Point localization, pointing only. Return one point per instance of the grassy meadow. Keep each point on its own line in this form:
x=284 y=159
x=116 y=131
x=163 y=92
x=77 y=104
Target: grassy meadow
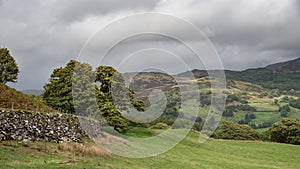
x=187 y=154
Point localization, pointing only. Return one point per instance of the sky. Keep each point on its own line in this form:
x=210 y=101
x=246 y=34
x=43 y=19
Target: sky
x=43 y=35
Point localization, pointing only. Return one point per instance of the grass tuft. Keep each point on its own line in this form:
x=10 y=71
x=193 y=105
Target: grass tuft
x=81 y=149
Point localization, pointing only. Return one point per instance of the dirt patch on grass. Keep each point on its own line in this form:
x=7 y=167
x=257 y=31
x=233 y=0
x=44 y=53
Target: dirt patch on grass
x=109 y=139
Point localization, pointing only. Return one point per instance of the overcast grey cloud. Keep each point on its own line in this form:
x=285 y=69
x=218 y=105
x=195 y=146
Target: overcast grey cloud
x=43 y=35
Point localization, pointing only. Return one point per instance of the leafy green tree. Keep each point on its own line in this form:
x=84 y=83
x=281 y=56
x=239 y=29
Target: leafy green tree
x=84 y=98
x=284 y=110
x=231 y=98
x=113 y=117
x=77 y=88
x=252 y=116
x=275 y=101
x=286 y=131
x=58 y=92
x=113 y=97
x=9 y=69
x=247 y=118
x=295 y=103
x=230 y=130
x=229 y=110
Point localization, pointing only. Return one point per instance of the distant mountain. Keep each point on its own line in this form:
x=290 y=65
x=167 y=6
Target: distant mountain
x=283 y=76
x=143 y=82
x=32 y=91
x=288 y=66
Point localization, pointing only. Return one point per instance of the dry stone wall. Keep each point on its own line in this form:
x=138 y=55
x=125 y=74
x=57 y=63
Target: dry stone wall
x=36 y=126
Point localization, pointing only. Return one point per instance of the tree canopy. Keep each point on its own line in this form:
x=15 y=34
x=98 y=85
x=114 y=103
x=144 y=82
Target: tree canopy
x=89 y=88
x=9 y=69
x=286 y=131
x=230 y=130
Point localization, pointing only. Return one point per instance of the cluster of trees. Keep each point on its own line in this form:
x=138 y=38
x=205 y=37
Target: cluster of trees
x=284 y=131
x=295 y=103
x=77 y=88
x=247 y=118
x=233 y=131
x=268 y=79
x=229 y=110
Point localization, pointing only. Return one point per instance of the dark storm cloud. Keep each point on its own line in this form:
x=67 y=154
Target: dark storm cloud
x=43 y=35
x=246 y=33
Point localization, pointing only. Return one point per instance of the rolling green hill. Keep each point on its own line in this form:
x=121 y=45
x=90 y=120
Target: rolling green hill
x=288 y=66
x=283 y=75
x=244 y=98
x=11 y=98
x=187 y=154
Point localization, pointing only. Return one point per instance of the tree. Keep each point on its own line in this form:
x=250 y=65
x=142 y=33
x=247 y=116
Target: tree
x=247 y=118
x=286 y=131
x=230 y=130
x=111 y=91
x=231 y=98
x=252 y=116
x=284 y=110
x=295 y=103
x=275 y=101
x=113 y=117
x=8 y=68
x=58 y=92
x=76 y=88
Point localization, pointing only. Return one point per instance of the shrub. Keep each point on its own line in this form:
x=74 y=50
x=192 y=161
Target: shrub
x=284 y=110
x=252 y=116
x=286 y=131
x=229 y=111
x=231 y=98
x=230 y=130
x=244 y=101
x=197 y=126
x=265 y=136
x=285 y=99
x=295 y=103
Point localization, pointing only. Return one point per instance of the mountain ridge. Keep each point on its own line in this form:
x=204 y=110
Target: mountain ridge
x=282 y=75
x=287 y=66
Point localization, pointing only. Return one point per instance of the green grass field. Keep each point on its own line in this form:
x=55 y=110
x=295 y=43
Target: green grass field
x=187 y=154
x=267 y=107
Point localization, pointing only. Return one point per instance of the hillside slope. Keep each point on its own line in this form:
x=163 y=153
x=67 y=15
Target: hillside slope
x=11 y=98
x=187 y=154
x=283 y=75
x=288 y=66
x=245 y=99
